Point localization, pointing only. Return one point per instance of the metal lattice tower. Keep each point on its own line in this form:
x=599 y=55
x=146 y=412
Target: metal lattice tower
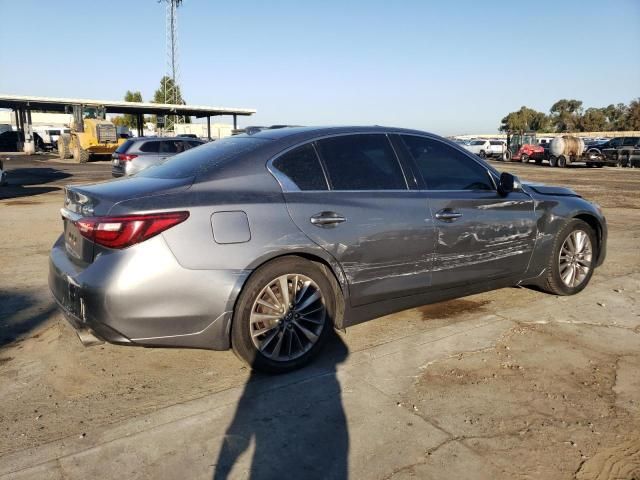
x=171 y=92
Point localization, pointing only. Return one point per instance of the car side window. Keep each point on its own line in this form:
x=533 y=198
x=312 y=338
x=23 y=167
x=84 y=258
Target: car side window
x=445 y=168
x=171 y=146
x=150 y=147
x=361 y=162
x=302 y=166
x=616 y=142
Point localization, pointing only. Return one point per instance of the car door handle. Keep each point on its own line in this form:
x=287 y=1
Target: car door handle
x=448 y=215
x=327 y=219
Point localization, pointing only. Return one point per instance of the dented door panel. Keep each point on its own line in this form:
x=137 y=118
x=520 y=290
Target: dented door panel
x=492 y=237
x=384 y=244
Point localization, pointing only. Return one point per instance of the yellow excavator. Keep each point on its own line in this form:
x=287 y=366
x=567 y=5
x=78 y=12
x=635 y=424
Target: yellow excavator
x=91 y=134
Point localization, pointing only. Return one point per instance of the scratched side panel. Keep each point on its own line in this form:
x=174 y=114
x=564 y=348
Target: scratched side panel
x=494 y=238
x=385 y=245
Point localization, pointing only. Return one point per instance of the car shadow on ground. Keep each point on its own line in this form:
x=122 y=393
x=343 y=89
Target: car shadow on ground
x=25 y=182
x=20 y=313
x=298 y=430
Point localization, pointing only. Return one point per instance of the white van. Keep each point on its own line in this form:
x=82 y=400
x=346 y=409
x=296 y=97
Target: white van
x=50 y=135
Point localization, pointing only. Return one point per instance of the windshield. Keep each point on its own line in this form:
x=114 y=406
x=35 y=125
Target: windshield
x=201 y=159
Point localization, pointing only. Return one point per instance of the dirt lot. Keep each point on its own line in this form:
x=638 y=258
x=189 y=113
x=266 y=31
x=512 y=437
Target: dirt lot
x=556 y=393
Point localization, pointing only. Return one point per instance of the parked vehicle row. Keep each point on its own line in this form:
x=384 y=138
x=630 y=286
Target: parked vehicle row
x=264 y=243
x=136 y=154
x=619 y=151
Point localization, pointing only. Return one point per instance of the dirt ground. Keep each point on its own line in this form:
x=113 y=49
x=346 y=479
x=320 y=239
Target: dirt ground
x=549 y=399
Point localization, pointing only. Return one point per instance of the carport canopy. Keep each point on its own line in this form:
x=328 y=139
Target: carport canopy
x=20 y=103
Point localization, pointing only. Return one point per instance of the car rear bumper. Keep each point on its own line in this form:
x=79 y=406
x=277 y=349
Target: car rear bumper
x=142 y=296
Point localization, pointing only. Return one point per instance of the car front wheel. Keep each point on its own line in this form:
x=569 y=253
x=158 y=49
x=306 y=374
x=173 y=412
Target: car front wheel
x=572 y=259
x=284 y=315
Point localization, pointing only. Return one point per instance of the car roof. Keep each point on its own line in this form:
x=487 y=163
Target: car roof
x=303 y=133
x=144 y=139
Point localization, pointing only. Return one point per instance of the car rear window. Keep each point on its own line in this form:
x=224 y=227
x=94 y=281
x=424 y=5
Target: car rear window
x=361 y=162
x=302 y=167
x=124 y=147
x=197 y=161
x=495 y=143
x=150 y=147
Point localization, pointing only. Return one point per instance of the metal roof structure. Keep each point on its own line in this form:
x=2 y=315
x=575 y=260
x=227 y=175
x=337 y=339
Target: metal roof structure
x=50 y=104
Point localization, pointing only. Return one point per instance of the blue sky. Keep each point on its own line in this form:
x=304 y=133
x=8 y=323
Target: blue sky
x=447 y=67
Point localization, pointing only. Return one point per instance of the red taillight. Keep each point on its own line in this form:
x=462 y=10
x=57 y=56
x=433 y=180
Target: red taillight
x=125 y=158
x=124 y=231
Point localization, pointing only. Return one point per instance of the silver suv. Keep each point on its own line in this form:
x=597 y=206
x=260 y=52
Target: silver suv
x=136 y=154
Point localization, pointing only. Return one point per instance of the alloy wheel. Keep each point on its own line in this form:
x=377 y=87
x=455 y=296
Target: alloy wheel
x=287 y=317
x=575 y=258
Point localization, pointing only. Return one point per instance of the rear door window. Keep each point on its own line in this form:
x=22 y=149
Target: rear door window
x=302 y=167
x=444 y=167
x=150 y=147
x=171 y=146
x=361 y=162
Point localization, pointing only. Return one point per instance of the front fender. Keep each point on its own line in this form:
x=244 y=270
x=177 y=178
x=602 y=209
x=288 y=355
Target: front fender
x=556 y=211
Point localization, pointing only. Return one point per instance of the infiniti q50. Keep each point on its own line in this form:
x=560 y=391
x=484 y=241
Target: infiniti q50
x=264 y=243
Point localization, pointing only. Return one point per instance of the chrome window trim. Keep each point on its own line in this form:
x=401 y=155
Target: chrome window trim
x=288 y=186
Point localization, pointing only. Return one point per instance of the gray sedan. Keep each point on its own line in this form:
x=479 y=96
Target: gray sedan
x=265 y=242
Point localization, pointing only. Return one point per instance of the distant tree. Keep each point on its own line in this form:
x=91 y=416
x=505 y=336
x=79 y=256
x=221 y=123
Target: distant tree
x=525 y=119
x=593 y=120
x=129 y=120
x=565 y=115
x=633 y=115
x=166 y=83
x=617 y=116
x=119 y=121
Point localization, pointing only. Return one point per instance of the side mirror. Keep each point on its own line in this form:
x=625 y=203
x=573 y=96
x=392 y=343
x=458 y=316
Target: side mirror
x=506 y=184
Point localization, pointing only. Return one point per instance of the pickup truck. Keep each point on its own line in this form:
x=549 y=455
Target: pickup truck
x=479 y=147
x=620 y=151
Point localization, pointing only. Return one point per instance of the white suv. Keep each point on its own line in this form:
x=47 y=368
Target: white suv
x=479 y=147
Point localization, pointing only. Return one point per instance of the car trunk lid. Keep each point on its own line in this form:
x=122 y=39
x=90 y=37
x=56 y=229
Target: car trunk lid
x=97 y=200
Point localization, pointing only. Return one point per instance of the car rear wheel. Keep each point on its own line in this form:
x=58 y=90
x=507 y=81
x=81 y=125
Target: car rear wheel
x=572 y=259
x=524 y=158
x=553 y=161
x=284 y=315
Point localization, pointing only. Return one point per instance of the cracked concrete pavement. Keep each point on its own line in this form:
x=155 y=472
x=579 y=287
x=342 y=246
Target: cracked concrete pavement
x=504 y=384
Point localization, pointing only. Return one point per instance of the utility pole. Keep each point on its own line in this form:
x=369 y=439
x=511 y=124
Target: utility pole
x=173 y=72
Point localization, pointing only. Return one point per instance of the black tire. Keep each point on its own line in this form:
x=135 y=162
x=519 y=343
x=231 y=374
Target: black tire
x=80 y=155
x=553 y=161
x=562 y=161
x=524 y=158
x=507 y=156
x=482 y=154
x=554 y=283
x=64 y=141
x=241 y=341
